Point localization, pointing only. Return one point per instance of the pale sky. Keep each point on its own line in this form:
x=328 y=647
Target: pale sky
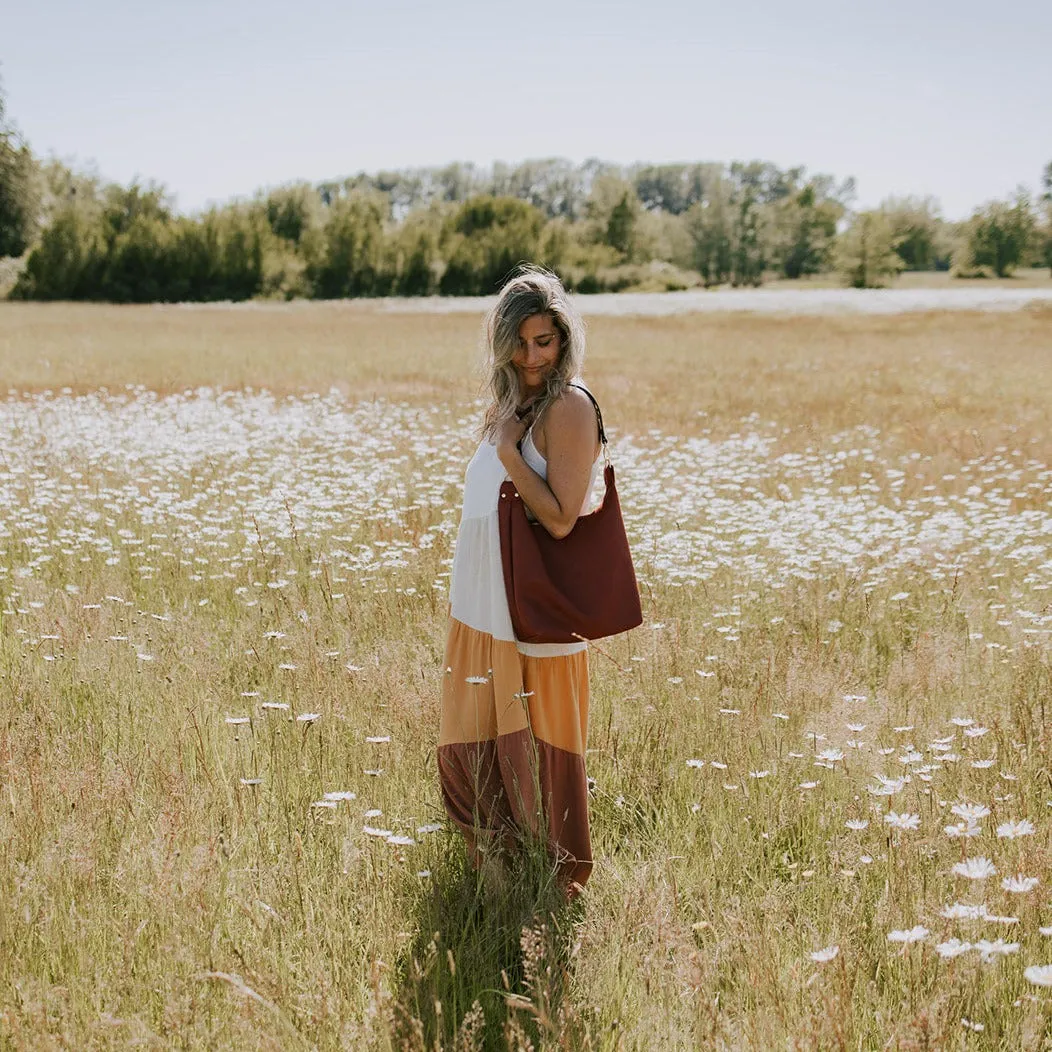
x=218 y=99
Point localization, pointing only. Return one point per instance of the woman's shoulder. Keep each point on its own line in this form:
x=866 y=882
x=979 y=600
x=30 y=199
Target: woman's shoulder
x=575 y=399
x=572 y=413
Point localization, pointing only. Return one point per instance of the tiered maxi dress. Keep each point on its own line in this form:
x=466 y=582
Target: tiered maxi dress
x=511 y=752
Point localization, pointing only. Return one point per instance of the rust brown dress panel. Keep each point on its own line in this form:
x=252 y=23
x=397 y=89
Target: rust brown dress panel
x=512 y=742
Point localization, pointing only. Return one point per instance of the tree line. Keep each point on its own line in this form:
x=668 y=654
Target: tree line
x=459 y=230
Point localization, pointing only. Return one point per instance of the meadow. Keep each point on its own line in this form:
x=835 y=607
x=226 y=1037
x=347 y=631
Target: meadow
x=821 y=800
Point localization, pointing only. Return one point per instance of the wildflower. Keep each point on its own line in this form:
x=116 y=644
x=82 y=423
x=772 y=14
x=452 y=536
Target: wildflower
x=970 y=812
x=976 y=732
x=476 y=681
x=965 y=911
x=373 y=812
x=431 y=827
x=251 y=781
x=952 y=948
x=308 y=717
x=856 y=728
x=1011 y=830
x=280 y=706
x=962 y=721
x=287 y=666
x=759 y=774
x=962 y=829
x=730 y=712
x=903 y=821
x=898 y=597
x=1019 y=885
x=779 y=716
x=969 y=1025
x=830 y=755
x=828 y=953
x=808 y=785
x=340 y=794
x=887 y=787
x=696 y=763
x=975 y=868
x=1038 y=974
x=373 y=831
x=379 y=739
x=998 y=948
x=324 y=803
x=982 y=765
x=401 y=841
x=857 y=824
x=237 y=721
x=917 y=934
x=1045 y=931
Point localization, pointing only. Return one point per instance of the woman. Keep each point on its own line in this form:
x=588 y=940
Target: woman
x=515 y=715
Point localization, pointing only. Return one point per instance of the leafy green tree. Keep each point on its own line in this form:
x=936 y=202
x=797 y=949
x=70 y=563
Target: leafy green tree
x=865 y=253
x=414 y=253
x=487 y=238
x=1000 y=234
x=805 y=223
x=350 y=255
x=674 y=188
x=749 y=257
x=613 y=212
x=292 y=211
x=1046 y=200
x=709 y=225
x=67 y=260
x=19 y=193
x=918 y=232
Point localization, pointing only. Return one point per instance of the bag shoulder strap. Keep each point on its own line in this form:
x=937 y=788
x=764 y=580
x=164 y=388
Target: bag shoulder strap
x=598 y=411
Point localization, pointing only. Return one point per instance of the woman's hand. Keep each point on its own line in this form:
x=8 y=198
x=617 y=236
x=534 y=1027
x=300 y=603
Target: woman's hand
x=510 y=435
x=571 y=442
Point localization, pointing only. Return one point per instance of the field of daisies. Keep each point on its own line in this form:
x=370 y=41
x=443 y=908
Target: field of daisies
x=820 y=783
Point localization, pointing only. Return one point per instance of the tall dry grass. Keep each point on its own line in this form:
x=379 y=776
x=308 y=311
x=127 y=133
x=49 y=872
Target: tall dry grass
x=170 y=878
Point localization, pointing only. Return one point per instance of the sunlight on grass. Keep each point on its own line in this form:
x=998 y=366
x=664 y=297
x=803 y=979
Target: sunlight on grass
x=820 y=799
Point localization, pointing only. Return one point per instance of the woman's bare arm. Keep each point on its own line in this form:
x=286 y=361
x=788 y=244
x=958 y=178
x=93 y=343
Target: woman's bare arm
x=570 y=449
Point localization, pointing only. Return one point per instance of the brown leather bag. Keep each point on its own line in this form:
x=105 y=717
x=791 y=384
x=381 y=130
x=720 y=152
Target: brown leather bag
x=580 y=587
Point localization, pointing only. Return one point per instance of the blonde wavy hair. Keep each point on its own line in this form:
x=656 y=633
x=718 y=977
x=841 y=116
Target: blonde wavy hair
x=532 y=290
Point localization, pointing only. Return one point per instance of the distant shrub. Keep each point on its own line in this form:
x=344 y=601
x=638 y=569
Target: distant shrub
x=865 y=253
x=633 y=277
x=998 y=238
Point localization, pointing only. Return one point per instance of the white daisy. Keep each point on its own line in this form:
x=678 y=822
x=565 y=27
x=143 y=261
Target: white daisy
x=1019 y=884
x=1039 y=974
x=1011 y=830
x=975 y=868
x=917 y=934
x=952 y=948
x=825 y=954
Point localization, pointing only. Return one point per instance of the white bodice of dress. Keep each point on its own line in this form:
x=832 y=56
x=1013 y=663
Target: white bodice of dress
x=476 y=593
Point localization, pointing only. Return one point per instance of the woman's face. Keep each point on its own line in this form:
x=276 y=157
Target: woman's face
x=538 y=352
